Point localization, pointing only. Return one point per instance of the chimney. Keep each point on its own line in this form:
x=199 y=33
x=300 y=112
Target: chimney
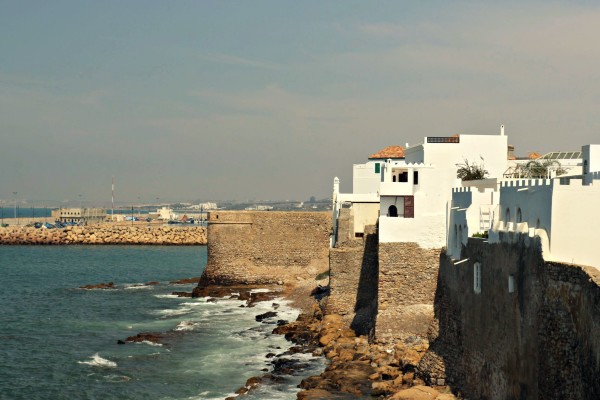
x=501 y=130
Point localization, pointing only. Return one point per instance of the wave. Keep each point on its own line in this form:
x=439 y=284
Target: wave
x=170 y=312
x=186 y=326
x=166 y=296
x=149 y=343
x=97 y=361
x=138 y=286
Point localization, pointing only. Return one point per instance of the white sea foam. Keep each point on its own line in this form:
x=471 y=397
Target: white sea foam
x=173 y=312
x=186 y=326
x=149 y=343
x=138 y=286
x=97 y=361
x=166 y=296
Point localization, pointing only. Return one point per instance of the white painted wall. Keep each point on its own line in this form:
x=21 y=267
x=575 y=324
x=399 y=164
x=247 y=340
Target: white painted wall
x=567 y=213
x=471 y=209
x=364 y=177
x=492 y=148
x=575 y=220
x=428 y=231
x=591 y=162
x=364 y=214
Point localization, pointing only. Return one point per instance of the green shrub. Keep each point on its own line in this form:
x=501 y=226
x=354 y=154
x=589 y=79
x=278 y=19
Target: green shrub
x=322 y=275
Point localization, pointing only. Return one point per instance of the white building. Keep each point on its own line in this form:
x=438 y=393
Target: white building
x=366 y=181
x=415 y=193
x=79 y=215
x=562 y=212
x=166 y=214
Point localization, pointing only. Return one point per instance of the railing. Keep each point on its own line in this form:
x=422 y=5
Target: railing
x=443 y=139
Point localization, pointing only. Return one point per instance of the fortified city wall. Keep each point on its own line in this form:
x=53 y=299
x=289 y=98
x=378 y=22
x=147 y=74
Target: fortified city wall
x=104 y=234
x=531 y=329
x=259 y=247
x=353 y=277
x=385 y=290
x=407 y=284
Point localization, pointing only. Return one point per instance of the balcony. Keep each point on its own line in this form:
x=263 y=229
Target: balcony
x=396 y=189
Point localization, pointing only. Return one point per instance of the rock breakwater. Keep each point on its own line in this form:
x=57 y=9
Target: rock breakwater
x=104 y=234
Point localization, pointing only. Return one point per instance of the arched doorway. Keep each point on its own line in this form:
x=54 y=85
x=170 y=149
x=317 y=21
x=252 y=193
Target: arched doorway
x=392 y=211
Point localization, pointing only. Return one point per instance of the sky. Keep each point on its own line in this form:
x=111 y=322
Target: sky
x=251 y=100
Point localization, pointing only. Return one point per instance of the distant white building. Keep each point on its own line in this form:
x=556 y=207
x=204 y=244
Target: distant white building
x=204 y=206
x=166 y=214
x=79 y=215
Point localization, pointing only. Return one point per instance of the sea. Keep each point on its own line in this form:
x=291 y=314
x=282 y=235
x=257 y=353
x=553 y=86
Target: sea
x=58 y=341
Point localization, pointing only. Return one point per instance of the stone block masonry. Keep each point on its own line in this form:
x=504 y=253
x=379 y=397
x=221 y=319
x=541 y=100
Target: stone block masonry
x=513 y=326
x=407 y=283
x=265 y=247
x=104 y=234
x=353 y=280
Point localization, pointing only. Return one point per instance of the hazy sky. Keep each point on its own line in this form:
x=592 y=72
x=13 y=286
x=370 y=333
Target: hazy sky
x=272 y=99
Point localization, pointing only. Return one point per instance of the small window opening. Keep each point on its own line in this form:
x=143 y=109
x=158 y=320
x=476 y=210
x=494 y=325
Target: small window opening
x=537 y=224
x=377 y=168
x=511 y=284
x=416 y=177
x=507 y=215
x=394 y=178
x=519 y=215
x=392 y=211
x=403 y=177
x=477 y=277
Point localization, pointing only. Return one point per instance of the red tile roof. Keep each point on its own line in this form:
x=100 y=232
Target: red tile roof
x=533 y=155
x=389 y=152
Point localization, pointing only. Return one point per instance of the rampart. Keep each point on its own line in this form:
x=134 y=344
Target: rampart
x=512 y=326
x=385 y=290
x=353 y=277
x=104 y=234
x=259 y=247
x=407 y=281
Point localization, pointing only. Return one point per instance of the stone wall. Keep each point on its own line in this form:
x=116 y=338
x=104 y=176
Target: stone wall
x=104 y=234
x=259 y=247
x=407 y=283
x=542 y=340
x=345 y=225
x=353 y=276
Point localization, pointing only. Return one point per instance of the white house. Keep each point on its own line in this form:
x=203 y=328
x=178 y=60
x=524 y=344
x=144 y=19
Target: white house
x=364 y=199
x=415 y=192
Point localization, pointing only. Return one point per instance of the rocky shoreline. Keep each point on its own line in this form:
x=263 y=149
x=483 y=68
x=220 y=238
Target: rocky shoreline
x=105 y=234
x=357 y=368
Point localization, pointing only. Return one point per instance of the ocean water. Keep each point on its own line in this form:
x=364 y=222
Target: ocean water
x=58 y=341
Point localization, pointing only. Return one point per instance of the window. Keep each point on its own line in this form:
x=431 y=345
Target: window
x=416 y=177
x=477 y=277
x=392 y=211
x=403 y=177
x=377 y=168
x=511 y=284
x=519 y=215
x=507 y=216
